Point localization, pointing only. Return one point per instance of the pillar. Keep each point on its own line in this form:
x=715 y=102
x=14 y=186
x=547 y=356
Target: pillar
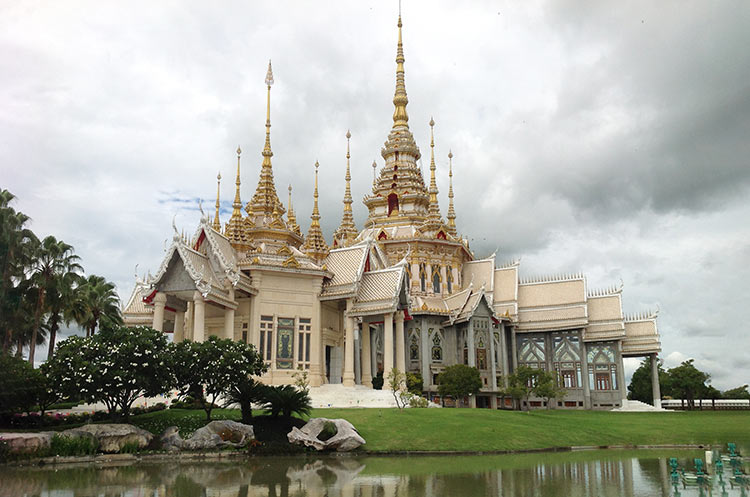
x=514 y=349
x=229 y=323
x=425 y=356
x=504 y=354
x=357 y=354
x=443 y=279
x=493 y=366
x=585 y=375
x=400 y=348
x=387 y=346
x=428 y=270
x=414 y=275
x=655 y=390
x=179 y=326
x=160 y=300
x=199 y=324
x=366 y=355
x=621 y=376
x=317 y=360
x=471 y=352
x=348 y=379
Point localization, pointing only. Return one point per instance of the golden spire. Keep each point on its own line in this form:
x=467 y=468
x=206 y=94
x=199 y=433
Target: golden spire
x=347 y=230
x=291 y=217
x=233 y=229
x=217 y=222
x=434 y=208
x=265 y=200
x=451 y=211
x=315 y=244
x=400 y=117
x=374 y=173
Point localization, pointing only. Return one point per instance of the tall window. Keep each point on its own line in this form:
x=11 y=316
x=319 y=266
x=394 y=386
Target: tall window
x=436 y=281
x=602 y=367
x=266 y=337
x=437 y=345
x=285 y=345
x=392 y=204
x=303 y=343
x=422 y=277
x=531 y=352
x=414 y=347
x=408 y=275
x=449 y=279
x=481 y=344
x=567 y=359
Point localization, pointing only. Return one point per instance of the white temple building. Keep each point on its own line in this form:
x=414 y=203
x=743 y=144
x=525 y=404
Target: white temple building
x=406 y=291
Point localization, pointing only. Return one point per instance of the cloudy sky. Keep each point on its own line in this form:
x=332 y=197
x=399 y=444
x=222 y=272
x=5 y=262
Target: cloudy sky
x=603 y=137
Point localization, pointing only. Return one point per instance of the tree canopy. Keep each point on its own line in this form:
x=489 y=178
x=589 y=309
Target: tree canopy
x=459 y=381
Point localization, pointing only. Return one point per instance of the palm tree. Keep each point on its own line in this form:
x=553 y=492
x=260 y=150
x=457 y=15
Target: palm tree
x=53 y=259
x=286 y=400
x=15 y=256
x=96 y=303
x=60 y=300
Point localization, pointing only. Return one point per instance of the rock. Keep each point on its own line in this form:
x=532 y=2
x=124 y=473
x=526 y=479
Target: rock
x=216 y=434
x=347 y=438
x=112 y=437
x=27 y=442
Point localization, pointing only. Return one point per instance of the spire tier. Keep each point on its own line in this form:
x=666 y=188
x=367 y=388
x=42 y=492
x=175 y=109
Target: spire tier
x=347 y=230
x=315 y=244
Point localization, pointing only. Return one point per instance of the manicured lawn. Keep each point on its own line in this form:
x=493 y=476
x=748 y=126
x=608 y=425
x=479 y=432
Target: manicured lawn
x=487 y=430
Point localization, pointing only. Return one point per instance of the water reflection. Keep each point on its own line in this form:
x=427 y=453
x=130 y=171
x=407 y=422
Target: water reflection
x=613 y=473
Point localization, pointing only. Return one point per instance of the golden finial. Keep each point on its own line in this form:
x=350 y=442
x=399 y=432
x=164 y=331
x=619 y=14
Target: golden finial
x=434 y=208
x=347 y=231
x=451 y=211
x=316 y=213
x=267 y=147
x=217 y=222
x=400 y=100
x=233 y=228
x=315 y=245
x=374 y=167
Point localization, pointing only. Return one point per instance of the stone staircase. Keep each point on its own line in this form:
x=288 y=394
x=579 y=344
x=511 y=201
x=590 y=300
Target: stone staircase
x=357 y=396
x=638 y=406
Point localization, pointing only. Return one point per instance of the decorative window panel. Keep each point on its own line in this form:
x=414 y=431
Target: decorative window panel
x=602 y=367
x=266 y=337
x=437 y=345
x=303 y=343
x=285 y=343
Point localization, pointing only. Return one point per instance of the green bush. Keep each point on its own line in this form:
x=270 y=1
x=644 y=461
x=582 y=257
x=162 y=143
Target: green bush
x=418 y=401
x=62 y=445
x=286 y=400
x=414 y=383
x=329 y=431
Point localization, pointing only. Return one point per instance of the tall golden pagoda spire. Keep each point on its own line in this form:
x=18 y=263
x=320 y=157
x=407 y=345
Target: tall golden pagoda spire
x=234 y=229
x=347 y=230
x=400 y=100
x=291 y=217
x=315 y=244
x=434 y=209
x=217 y=221
x=451 y=211
x=265 y=200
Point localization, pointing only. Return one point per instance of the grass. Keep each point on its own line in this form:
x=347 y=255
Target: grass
x=487 y=430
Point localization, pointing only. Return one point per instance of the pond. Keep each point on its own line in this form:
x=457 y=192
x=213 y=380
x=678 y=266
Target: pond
x=584 y=473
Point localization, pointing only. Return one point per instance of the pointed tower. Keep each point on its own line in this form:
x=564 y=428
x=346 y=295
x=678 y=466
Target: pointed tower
x=315 y=244
x=347 y=230
x=399 y=195
x=291 y=217
x=217 y=221
x=434 y=210
x=265 y=226
x=451 y=211
x=265 y=199
x=234 y=229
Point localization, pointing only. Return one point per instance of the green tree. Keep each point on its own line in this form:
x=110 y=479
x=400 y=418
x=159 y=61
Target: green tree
x=688 y=382
x=245 y=394
x=17 y=384
x=52 y=260
x=211 y=369
x=521 y=384
x=414 y=383
x=96 y=303
x=117 y=366
x=459 y=381
x=640 y=387
x=547 y=387
x=60 y=302
x=737 y=393
x=287 y=400
x=712 y=394
x=396 y=381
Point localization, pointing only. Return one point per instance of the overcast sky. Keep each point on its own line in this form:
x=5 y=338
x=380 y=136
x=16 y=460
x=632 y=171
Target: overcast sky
x=610 y=138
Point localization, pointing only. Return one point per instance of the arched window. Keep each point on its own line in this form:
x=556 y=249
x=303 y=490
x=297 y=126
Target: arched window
x=449 y=279
x=437 y=346
x=436 y=282
x=422 y=278
x=392 y=204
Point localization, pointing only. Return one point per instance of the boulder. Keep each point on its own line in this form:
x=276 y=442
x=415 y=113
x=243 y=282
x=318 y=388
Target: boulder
x=346 y=438
x=27 y=442
x=215 y=435
x=112 y=437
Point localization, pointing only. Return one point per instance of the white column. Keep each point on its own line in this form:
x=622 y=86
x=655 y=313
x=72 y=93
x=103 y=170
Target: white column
x=400 y=352
x=443 y=280
x=621 y=387
x=504 y=355
x=348 y=378
x=229 y=323
x=414 y=275
x=317 y=358
x=655 y=389
x=472 y=353
x=366 y=355
x=199 y=325
x=160 y=300
x=456 y=283
x=428 y=270
x=179 y=323
x=493 y=368
x=425 y=355
x=387 y=346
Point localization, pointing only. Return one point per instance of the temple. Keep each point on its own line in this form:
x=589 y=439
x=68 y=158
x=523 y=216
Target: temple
x=406 y=291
